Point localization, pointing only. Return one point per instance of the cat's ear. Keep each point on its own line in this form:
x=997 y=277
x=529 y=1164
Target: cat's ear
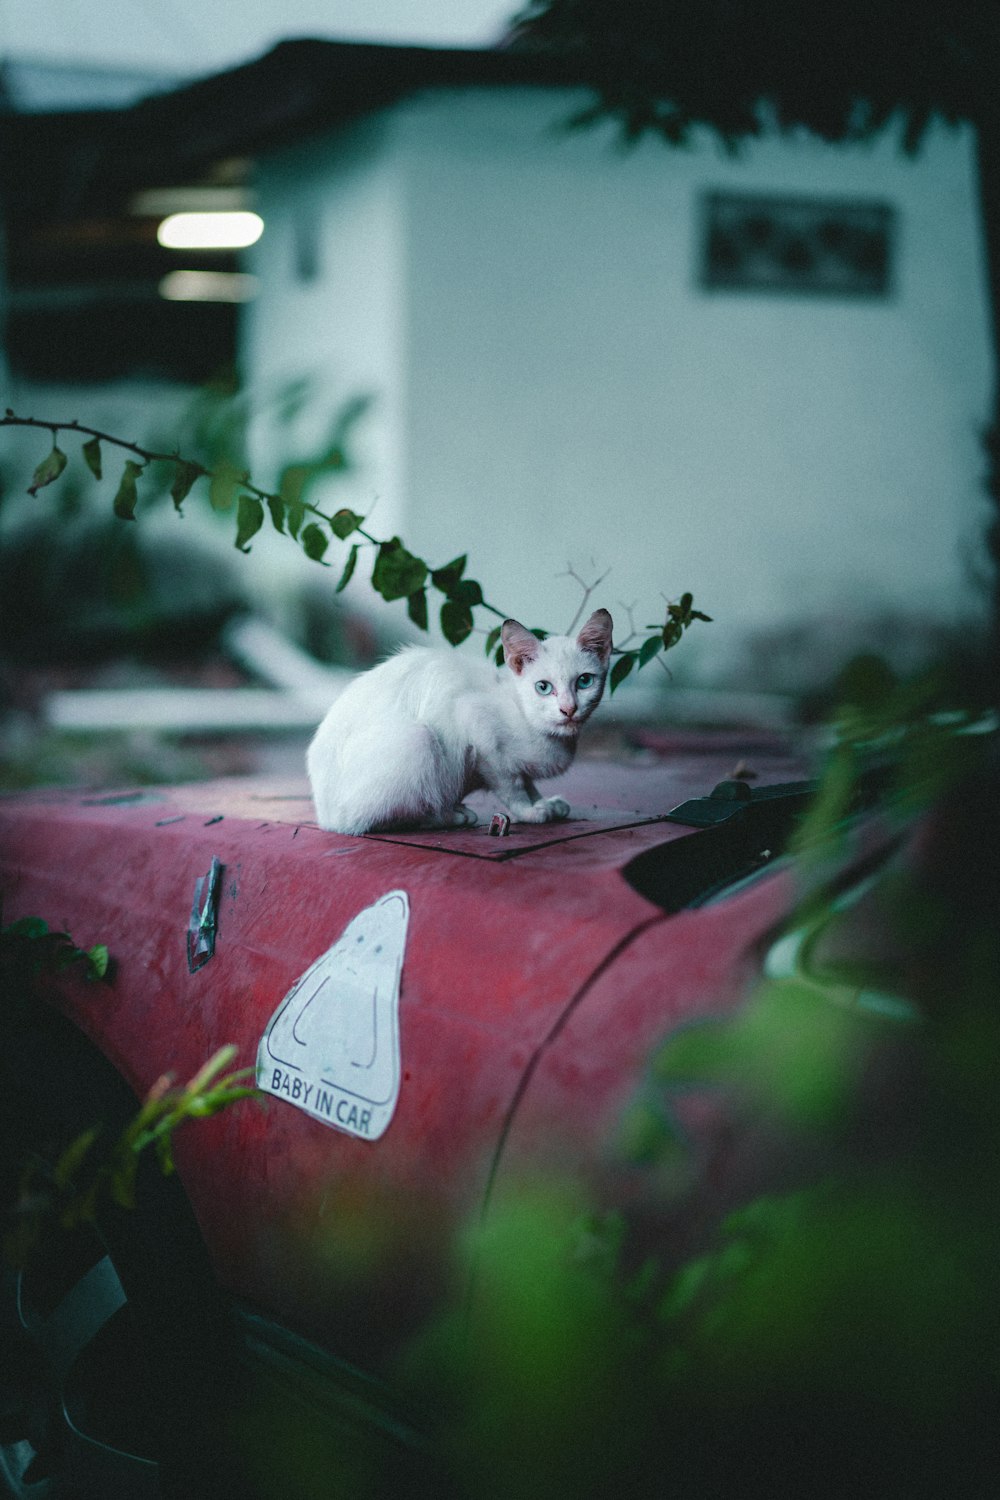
x=596 y=636
x=519 y=645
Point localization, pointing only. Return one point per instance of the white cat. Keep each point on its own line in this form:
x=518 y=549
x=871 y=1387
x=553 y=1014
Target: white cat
x=405 y=742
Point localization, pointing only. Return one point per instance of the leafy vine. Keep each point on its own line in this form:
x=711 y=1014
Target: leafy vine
x=397 y=573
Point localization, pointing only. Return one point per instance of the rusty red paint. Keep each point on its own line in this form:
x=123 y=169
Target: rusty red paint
x=536 y=982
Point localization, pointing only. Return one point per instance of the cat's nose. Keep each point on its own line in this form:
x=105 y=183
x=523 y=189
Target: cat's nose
x=567 y=711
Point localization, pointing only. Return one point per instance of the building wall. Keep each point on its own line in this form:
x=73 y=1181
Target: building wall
x=557 y=390
x=577 y=398
x=328 y=316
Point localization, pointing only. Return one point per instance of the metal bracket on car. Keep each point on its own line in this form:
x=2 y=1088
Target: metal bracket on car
x=730 y=798
x=204 y=918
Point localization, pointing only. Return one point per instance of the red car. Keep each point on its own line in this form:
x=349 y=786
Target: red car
x=430 y=1015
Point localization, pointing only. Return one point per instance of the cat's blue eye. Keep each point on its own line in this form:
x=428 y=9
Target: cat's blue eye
x=585 y=680
x=543 y=687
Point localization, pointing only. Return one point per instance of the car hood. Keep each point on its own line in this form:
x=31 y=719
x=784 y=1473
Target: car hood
x=505 y=938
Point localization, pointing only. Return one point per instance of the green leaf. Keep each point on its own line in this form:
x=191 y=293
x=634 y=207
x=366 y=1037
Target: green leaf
x=464 y=592
x=295 y=514
x=48 y=470
x=292 y=397
x=249 y=520
x=416 y=608
x=445 y=578
x=92 y=456
x=72 y=1158
x=314 y=543
x=349 y=566
x=344 y=522
x=210 y=1070
x=298 y=477
x=686 y=602
x=397 y=573
x=293 y=481
x=456 y=622
x=276 y=506
x=123 y=1185
x=125 y=499
x=644 y=1132
x=492 y=638
x=27 y=927
x=622 y=668
x=649 y=648
x=185 y=475
x=467 y=591
x=223 y=485
x=98 y=959
x=672 y=632
x=350 y=413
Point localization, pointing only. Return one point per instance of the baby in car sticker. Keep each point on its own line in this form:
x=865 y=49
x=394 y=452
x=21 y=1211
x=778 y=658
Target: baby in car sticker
x=332 y=1046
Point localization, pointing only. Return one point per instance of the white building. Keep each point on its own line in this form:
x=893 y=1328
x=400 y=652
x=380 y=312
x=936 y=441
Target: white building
x=556 y=384
x=764 y=379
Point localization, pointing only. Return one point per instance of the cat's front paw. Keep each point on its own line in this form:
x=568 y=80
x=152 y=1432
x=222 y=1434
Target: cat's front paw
x=463 y=817
x=547 y=810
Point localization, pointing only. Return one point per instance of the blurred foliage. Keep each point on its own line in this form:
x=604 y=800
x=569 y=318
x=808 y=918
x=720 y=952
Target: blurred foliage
x=333 y=632
x=71 y=1190
x=94 y=1170
x=836 y=1331
x=29 y=948
x=925 y=733
x=665 y=67
x=85 y=590
x=30 y=758
x=830 y=1341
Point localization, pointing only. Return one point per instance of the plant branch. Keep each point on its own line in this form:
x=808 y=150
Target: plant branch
x=146 y=454
x=588 y=589
x=397 y=573
x=629 y=610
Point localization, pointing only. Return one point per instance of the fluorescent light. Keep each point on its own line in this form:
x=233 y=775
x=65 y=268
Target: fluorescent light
x=209 y=286
x=156 y=203
x=210 y=231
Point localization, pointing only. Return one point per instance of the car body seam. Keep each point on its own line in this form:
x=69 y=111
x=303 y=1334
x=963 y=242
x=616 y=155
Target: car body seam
x=531 y=1066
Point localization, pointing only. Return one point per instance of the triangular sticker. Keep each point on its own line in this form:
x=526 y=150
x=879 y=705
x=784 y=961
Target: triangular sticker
x=332 y=1046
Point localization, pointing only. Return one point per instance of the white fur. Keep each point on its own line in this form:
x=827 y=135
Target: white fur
x=407 y=741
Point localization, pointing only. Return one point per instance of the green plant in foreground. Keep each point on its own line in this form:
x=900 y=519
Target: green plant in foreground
x=93 y=1171
x=827 y=1329
x=29 y=948
x=397 y=573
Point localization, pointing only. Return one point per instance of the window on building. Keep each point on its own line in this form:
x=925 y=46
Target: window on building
x=757 y=243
